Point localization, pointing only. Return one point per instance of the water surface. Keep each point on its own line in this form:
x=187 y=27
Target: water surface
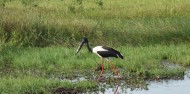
x=180 y=86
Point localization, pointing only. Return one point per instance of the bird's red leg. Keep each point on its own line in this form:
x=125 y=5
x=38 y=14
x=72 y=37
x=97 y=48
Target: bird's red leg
x=101 y=72
x=114 y=69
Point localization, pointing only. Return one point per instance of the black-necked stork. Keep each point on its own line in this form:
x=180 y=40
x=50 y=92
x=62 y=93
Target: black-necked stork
x=102 y=52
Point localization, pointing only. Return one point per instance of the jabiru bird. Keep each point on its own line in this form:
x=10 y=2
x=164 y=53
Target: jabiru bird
x=102 y=52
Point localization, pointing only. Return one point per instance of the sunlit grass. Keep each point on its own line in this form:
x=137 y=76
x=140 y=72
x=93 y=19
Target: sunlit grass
x=138 y=22
x=45 y=65
x=64 y=59
x=36 y=85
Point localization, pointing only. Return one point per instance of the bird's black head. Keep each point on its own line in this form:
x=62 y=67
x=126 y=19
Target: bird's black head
x=84 y=40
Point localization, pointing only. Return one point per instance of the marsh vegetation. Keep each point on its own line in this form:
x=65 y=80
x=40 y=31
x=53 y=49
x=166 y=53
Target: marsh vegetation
x=38 y=40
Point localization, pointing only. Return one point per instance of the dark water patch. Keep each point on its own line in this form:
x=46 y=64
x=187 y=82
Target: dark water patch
x=63 y=90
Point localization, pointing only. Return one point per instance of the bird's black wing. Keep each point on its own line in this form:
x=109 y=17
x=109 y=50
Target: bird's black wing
x=117 y=53
x=106 y=54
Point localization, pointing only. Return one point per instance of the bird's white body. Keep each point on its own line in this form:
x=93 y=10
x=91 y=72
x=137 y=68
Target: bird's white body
x=98 y=48
x=101 y=51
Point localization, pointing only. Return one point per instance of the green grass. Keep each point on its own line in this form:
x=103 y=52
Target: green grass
x=60 y=59
x=27 y=85
x=45 y=65
x=39 y=85
x=38 y=40
x=138 y=22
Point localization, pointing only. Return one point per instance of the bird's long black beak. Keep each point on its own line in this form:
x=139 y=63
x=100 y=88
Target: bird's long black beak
x=80 y=46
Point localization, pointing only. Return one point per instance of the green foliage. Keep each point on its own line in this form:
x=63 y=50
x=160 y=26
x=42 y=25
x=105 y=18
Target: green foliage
x=3 y=2
x=27 y=2
x=54 y=59
x=76 y=6
x=38 y=85
x=166 y=73
x=123 y=23
x=100 y=3
x=37 y=70
x=26 y=85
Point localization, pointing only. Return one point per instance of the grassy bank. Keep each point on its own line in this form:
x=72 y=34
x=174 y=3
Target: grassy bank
x=40 y=85
x=63 y=59
x=64 y=22
x=54 y=63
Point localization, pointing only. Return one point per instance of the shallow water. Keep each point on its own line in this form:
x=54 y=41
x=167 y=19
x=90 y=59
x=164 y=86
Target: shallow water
x=167 y=86
x=155 y=87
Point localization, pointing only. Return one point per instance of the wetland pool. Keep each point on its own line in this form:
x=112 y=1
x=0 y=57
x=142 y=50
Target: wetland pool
x=166 y=86
x=169 y=86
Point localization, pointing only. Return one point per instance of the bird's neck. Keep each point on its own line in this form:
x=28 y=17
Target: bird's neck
x=90 y=49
